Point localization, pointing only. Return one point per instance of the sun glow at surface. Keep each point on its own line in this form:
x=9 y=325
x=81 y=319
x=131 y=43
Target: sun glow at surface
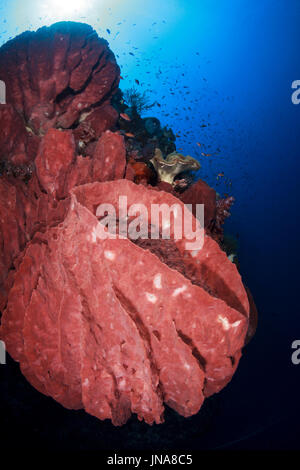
x=66 y=7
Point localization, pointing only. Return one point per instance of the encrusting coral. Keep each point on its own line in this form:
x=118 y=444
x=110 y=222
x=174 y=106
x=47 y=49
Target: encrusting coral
x=174 y=163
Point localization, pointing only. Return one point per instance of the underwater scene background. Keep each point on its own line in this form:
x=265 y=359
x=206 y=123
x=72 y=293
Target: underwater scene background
x=219 y=74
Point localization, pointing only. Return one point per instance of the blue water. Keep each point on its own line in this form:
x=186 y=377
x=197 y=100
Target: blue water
x=228 y=65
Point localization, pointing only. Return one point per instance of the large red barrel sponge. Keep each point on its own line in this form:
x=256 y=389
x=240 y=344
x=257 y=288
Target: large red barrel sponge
x=62 y=76
x=129 y=328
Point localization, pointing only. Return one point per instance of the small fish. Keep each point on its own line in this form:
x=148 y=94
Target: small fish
x=125 y=116
x=131 y=53
x=220 y=175
x=136 y=81
x=198 y=143
x=108 y=30
x=206 y=155
x=129 y=134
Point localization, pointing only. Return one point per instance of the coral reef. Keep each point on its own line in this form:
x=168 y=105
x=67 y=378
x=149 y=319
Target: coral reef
x=140 y=172
x=136 y=101
x=112 y=325
x=200 y=193
x=171 y=166
x=152 y=125
x=142 y=135
x=223 y=206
